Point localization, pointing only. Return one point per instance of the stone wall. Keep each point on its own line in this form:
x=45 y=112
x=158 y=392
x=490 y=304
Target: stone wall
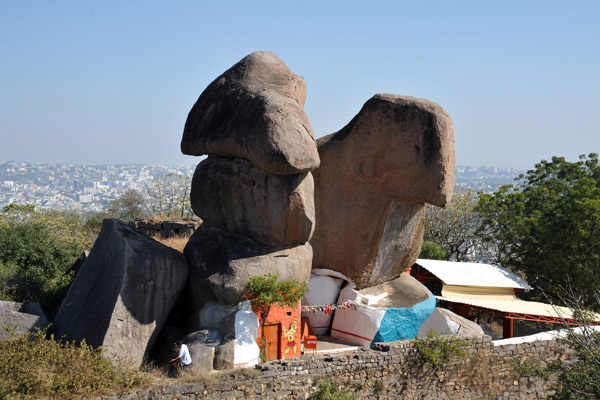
x=166 y=228
x=390 y=371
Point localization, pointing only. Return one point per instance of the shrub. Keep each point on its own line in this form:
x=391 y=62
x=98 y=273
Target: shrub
x=327 y=391
x=33 y=366
x=436 y=350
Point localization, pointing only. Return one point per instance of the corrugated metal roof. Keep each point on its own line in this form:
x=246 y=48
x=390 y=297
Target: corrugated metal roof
x=473 y=274
x=515 y=306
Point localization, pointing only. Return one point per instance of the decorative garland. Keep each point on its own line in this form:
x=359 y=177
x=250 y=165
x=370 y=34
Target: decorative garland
x=328 y=308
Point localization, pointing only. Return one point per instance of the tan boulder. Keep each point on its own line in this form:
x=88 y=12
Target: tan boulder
x=222 y=262
x=375 y=175
x=255 y=111
x=233 y=195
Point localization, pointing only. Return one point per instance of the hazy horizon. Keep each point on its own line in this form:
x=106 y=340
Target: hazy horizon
x=112 y=82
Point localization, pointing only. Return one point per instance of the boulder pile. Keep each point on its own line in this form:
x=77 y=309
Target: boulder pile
x=264 y=212
x=254 y=192
x=255 y=195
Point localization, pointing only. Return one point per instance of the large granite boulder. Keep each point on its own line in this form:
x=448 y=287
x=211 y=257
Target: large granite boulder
x=233 y=195
x=222 y=262
x=20 y=318
x=375 y=175
x=123 y=293
x=255 y=111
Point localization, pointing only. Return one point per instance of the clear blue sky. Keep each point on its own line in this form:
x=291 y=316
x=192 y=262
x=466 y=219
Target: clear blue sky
x=112 y=81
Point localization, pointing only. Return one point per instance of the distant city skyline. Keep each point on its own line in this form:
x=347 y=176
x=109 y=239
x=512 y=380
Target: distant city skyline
x=91 y=188
x=112 y=82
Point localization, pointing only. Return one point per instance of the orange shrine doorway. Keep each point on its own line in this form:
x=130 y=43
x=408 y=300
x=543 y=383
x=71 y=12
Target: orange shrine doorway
x=272 y=339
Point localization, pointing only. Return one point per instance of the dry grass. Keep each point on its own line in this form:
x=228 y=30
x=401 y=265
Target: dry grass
x=176 y=242
x=33 y=367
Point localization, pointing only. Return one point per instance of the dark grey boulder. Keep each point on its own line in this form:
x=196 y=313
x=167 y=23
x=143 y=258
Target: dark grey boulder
x=123 y=293
x=202 y=346
x=19 y=318
x=255 y=111
x=233 y=195
x=225 y=355
x=222 y=262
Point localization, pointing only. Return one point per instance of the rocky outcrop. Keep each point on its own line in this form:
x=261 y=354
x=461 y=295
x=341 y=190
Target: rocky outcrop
x=375 y=176
x=254 y=111
x=20 y=318
x=233 y=195
x=222 y=262
x=123 y=293
x=254 y=192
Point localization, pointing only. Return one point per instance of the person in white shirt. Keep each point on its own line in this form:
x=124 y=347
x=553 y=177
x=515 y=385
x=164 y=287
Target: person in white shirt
x=184 y=357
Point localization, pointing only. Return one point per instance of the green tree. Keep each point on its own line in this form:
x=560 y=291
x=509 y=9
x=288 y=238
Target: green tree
x=547 y=225
x=454 y=228
x=169 y=196
x=130 y=205
x=37 y=250
x=578 y=378
x=264 y=292
x=432 y=251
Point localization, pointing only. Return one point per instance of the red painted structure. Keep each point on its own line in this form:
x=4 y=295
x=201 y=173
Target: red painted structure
x=283 y=331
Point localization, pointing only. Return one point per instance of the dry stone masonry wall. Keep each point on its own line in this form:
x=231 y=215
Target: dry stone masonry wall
x=166 y=228
x=390 y=371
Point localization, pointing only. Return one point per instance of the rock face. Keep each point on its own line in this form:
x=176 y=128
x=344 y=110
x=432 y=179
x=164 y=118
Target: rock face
x=233 y=195
x=255 y=111
x=445 y=322
x=123 y=293
x=255 y=192
x=202 y=345
x=20 y=318
x=222 y=262
x=375 y=176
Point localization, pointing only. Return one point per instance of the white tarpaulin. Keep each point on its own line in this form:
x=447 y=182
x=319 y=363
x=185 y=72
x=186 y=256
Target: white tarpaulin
x=390 y=311
x=323 y=288
x=445 y=322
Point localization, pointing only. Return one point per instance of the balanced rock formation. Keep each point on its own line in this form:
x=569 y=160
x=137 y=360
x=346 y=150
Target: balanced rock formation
x=222 y=262
x=375 y=176
x=254 y=192
x=233 y=195
x=20 y=318
x=123 y=293
x=255 y=111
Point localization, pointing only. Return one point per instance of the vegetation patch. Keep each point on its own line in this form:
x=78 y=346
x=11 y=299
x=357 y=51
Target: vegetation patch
x=327 y=391
x=436 y=351
x=33 y=366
